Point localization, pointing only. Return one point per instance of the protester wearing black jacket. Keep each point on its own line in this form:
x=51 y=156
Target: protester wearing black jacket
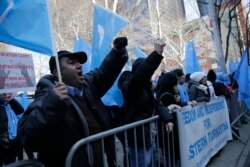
x=9 y=149
x=198 y=88
x=63 y=113
x=139 y=102
x=167 y=92
x=219 y=87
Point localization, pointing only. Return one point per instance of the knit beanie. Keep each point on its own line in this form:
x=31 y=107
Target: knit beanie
x=197 y=76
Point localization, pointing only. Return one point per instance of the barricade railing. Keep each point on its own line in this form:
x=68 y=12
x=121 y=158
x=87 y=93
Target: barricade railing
x=164 y=157
x=164 y=150
x=237 y=110
x=26 y=163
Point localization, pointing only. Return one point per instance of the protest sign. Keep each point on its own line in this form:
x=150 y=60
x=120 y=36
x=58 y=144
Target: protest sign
x=16 y=72
x=203 y=131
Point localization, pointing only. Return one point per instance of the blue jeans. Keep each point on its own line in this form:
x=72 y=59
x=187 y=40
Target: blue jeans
x=141 y=154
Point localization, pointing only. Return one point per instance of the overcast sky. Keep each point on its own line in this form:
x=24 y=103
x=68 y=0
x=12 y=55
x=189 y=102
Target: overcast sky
x=191 y=10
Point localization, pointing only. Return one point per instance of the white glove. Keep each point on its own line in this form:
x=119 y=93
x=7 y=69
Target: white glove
x=169 y=127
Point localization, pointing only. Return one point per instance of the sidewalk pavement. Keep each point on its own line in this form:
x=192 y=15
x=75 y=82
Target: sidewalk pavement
x=235 y=153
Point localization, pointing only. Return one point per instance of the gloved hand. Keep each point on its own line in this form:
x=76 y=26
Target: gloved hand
x=120 y=43
x=172 y=107
x=169 y=127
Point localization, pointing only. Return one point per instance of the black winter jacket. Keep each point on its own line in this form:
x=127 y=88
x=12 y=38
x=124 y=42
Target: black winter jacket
x=197 y=94
x=8 y=154
x=16 y=107
x=221 y=90
x=51 y=126
x=139 y=102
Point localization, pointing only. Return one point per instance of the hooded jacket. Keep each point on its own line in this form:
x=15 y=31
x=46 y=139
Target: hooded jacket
x=219 y=87
x=8 y=151
x=198 y=92
x=51 y=126
x=139 y=102
x=165 y=85
x=166 y=94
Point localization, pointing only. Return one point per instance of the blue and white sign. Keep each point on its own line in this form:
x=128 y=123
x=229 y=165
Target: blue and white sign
x=203 y=131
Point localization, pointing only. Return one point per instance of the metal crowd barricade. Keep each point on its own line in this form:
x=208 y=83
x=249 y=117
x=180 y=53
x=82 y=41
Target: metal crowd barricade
x=237 y=110
x=164 y=150
x=160 y=157
x=25 y=163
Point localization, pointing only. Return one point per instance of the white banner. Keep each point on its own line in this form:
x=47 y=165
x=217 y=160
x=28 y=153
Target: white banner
x=16 y=72
x=203 y=131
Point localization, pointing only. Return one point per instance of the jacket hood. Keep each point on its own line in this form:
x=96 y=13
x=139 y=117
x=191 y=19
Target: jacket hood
x=123 y=78
x=211 y=76
x=166 y=82
x=137 y=63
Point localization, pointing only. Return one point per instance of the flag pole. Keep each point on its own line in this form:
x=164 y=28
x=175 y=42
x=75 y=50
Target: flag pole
x=53 y=44
x=58 y=69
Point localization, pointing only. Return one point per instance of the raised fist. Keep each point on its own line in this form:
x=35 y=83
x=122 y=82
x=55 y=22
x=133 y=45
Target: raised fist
x=159 y=46
x=120 y=43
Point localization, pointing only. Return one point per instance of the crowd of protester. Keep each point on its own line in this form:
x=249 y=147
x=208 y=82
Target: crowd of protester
x=64 y=112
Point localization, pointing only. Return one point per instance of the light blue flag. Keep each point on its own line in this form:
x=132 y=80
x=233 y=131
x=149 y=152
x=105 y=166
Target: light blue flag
x=139 y=53
x=242 y=77
x=191 y=63
x=233 y=66
x=105 y=27
x=108 y=100
x=26 y=24
x=82 y=45
x=12 y=122
x=113 y=96
x=24 y=101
